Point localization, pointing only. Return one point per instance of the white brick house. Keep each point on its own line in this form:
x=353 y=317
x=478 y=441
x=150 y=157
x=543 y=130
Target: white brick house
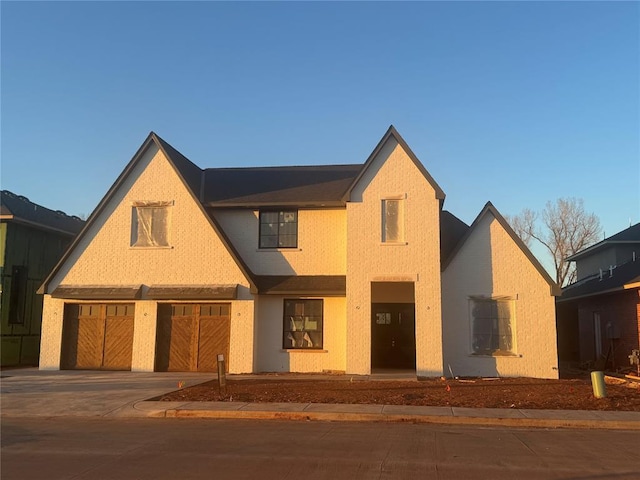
x=343 y=268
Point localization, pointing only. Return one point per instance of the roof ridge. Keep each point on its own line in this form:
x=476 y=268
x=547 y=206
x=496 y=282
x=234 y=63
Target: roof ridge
x=265 y=167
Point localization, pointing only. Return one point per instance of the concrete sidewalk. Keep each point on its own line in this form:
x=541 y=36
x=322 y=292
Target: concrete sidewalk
x=33 y=393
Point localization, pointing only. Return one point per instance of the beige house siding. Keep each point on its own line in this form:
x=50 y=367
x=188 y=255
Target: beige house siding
x=321 y=248
x=392 y=174
x=271 y=357
x=491 y=264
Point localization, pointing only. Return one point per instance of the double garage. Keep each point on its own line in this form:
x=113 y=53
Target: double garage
x=189 y=337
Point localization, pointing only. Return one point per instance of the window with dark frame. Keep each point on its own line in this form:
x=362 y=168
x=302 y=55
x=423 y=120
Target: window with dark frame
x=18 y=295
x=492 y=325
x=279 y=229
x=303 y=323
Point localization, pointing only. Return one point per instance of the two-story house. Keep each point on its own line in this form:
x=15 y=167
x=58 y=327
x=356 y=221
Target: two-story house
x=329 y=268
x=32 y=240
x=599 y=314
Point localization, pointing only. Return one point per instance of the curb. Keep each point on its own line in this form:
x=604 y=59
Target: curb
x=400 y=418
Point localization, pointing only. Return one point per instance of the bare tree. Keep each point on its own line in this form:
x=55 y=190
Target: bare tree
x=566 y=229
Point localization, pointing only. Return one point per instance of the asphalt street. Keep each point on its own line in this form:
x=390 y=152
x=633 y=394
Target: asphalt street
x=85 y=448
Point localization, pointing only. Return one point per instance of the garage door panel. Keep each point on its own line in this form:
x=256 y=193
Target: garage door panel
x=93 y=341
x=182 y=345
x=90 y=343
x=189 y=341
x=118 y=343
x=214 y=340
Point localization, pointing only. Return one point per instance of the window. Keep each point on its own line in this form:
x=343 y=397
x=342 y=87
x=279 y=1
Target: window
x=150 y=224
x=18 y=295
x=302 y=324
x=492 y=326
x=279 y=229
x=392 y=220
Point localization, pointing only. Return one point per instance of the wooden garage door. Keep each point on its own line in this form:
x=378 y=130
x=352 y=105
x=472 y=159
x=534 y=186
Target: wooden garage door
x=97 y=336
x=191 y=336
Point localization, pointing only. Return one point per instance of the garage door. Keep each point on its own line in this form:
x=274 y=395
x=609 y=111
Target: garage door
x=97 y=336
x=191 y=336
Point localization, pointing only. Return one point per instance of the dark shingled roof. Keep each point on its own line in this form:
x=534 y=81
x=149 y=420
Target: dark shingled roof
x=99 y=292
x=20 y=209
x=190 y=172
x=452 y=229
x=628 y=235
x=193 y=292
x=317 y=185
x=622 y=275
x=302 y=284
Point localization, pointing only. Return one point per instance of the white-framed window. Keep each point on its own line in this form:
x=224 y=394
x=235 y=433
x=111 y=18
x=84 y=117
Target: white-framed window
x=492 y=325
x=150 y=224
x=393 y=220
x=302 y=324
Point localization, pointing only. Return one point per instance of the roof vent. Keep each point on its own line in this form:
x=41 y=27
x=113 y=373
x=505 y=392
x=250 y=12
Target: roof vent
x=600 y=274
x=610 y=271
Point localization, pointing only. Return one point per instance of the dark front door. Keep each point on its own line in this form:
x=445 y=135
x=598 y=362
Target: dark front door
x=393 y=337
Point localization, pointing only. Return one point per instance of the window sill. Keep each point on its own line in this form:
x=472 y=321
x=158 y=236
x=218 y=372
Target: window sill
x=497 y=354
x=393 y=244
x=304 y=350
x=283 y=249
x=133 y=247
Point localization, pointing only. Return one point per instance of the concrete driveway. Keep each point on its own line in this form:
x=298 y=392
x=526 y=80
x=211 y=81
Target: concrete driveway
x=31 y=392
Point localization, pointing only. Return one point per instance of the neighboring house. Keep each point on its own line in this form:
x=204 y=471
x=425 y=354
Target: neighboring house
x=32 y=240
x=331 y=268
x=599 y=314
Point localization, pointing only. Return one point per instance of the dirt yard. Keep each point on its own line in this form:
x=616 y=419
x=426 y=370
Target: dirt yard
x=573 y=394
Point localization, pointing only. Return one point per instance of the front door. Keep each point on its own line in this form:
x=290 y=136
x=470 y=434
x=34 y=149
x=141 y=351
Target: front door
x=393 y=337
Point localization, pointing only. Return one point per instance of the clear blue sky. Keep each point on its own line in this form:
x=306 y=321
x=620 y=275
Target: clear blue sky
x=517 y=103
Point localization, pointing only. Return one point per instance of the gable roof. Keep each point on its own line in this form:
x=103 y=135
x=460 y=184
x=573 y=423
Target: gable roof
x=392 y=132
x=190 y=175
x=19 y=209
x=317 y=185
x=489 y=209
x=617 y=279
x=628 y=235
x=452 y=229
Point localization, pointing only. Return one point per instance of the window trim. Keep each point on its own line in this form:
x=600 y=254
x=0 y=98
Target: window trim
x=287 y=336
x=513 y=351
x=278 y=211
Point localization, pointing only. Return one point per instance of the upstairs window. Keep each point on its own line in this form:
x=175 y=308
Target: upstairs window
x=150 y=224
x=492 y=326
x=302 y=324
x=392 y=220
x=279 y=229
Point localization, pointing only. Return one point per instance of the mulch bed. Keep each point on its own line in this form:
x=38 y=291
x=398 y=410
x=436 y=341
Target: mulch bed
x=564 y=394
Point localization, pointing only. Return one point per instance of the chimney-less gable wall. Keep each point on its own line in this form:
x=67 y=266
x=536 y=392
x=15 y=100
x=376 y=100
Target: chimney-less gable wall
x=393 y=175
x=490 y=264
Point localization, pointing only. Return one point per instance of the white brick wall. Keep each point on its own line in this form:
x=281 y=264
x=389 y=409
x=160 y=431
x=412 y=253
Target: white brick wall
x=270 y=356
x=491 y=264
x=321 y=248
x=394 y=174
x=196 y=256
x=105 y=257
